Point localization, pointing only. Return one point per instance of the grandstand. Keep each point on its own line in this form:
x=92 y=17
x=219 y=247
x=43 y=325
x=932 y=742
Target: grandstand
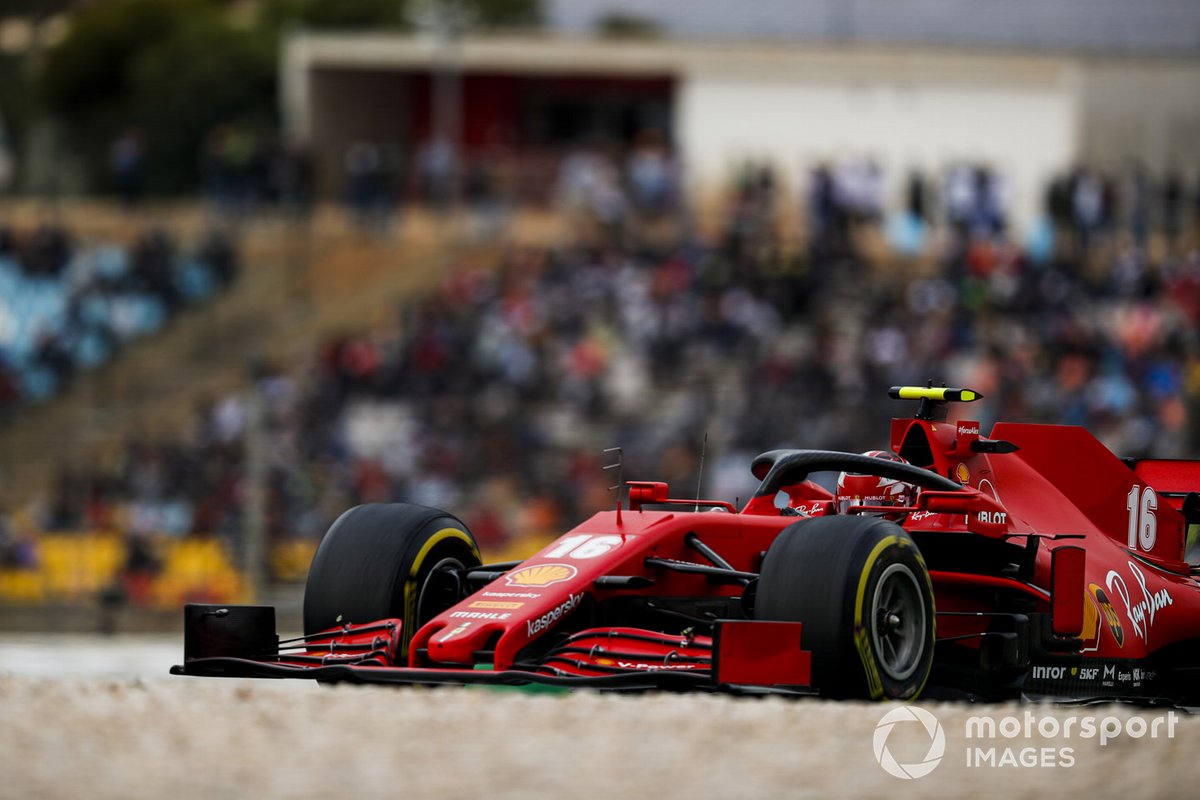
x=548 y=349
x=300 y=286
x=63 y=311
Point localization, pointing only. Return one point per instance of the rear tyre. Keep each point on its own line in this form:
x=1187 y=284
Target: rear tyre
x=386 y=560
x=859 y=586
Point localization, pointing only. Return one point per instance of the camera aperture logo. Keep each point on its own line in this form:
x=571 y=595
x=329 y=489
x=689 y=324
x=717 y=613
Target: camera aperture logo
x=933 y=728
x=1015 y=740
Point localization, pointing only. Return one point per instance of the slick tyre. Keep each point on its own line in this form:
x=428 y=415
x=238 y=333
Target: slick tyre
x=860 y=588
x=386 y=560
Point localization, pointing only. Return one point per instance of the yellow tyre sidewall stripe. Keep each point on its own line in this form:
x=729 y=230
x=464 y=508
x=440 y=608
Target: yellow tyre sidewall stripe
x=862 y=636
x=411 y=590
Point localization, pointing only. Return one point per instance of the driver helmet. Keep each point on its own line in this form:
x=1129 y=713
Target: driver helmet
x=857 y=489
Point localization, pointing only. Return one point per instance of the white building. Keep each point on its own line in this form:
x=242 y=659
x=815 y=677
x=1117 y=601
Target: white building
x=907 y=106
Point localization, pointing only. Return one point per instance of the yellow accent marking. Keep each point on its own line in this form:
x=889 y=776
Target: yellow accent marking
x=410 y=587
x=941 y=393
x=922 y=393
x=862 y=644
x=861 y=638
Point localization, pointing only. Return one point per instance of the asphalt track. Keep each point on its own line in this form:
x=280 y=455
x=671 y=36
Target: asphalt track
x=114 y=726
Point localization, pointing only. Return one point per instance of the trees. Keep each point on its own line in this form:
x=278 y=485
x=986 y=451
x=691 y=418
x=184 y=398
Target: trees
x=167 y=71
x=163 y=73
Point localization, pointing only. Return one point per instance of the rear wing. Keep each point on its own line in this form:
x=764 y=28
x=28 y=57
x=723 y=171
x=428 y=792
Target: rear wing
x=1177 y=481
x=1171 y=478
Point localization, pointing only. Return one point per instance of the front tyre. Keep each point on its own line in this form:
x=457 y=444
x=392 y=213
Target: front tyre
x=859 y=586
x=384 y=560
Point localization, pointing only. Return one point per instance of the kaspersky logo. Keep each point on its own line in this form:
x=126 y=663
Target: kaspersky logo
x=931 y=728
x=552 y=616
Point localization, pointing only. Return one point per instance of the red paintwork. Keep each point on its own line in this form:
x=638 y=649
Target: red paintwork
x=374 y=644
x=1169 y=475
x=605 y=651
x=762 y=654
x=1061 y=481
x=568 y=572
x=1061 y=490
x=1068 y=568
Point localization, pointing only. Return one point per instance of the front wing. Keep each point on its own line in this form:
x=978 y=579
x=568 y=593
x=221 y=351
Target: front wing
x=741 y=656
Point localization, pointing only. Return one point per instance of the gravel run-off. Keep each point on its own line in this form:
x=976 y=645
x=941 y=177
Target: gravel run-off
x=217 y=738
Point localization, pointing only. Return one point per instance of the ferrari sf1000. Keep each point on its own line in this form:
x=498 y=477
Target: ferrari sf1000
x=1030 y=562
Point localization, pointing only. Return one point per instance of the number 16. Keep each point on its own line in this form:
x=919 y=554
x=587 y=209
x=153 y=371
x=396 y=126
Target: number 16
x=1143 y=525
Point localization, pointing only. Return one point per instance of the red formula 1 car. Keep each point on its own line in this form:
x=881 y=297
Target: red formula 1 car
x=1030 y=562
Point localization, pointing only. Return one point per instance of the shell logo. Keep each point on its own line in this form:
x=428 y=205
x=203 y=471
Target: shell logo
x=962 y=473
x=540 y=575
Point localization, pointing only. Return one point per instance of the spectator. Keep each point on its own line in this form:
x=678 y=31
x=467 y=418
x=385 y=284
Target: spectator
x=1087 y=203
x=651 y=174
x=367 y=189
x=125 y=160
x=1172 y=204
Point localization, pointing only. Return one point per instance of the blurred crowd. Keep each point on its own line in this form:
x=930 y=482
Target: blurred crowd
x=1092 y=203
x=1084 y=209
x=247 y=169
x=495 y=395
x=244 y=168
x=67 y=308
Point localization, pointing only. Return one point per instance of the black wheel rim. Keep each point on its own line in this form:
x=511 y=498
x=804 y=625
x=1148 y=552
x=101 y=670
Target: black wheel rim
x=899 y=630
x=443 y=587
